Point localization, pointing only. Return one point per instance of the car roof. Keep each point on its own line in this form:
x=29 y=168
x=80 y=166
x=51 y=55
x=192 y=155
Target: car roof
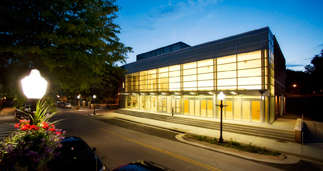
x=71 y=139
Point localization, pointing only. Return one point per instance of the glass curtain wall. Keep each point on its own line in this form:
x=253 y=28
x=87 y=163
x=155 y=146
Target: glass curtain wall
x=235 y=72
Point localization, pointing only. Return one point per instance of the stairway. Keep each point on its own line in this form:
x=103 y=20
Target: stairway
x=276 y=134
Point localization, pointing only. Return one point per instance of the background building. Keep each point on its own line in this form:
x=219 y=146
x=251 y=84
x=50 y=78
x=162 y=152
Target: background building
x=248 y=68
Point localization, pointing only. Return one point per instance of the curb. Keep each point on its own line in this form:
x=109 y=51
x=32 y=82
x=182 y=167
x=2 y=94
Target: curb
x=282 y=159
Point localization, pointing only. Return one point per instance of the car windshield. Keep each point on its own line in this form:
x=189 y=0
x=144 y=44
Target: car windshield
x=73 y=150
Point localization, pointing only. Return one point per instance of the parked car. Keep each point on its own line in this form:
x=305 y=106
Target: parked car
x=68 y=105
x=75 y=155
x=142 y=165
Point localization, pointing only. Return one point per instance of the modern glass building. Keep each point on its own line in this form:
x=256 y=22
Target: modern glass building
x=248 y=68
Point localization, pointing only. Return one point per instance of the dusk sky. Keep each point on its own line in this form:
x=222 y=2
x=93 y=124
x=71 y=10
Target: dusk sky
x=151 y=24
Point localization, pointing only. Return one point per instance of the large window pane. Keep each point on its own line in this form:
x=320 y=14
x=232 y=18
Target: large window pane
x=189 y=65
x=191 y=111
x=190 y=85
x=174 y=68
x=197 y=107
x=203 y=107
x=165 y=69
x=249 y=81
x=205 y=62
x=205 y=76
x=225 y=82
x=228 y=74
x=205 y=85
x=207 y=69
x=174 y=74
x=237 y=110
x=226 y=59
x=246 y=110
x=228 y=109
x=189 y=71
x=249 y=56
x=226 y=67
x=209 y=108
x=249 y=72
x=189 y=78
x=174 y=86
x=249 y=64
x=174 y=79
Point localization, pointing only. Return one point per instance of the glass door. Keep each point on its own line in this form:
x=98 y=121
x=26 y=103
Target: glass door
x=162 y=105
x=176 y=105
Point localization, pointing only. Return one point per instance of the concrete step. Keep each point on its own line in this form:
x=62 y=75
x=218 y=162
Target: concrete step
x=280 y=135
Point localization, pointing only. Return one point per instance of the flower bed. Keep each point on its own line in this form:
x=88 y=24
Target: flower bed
x=31 y=145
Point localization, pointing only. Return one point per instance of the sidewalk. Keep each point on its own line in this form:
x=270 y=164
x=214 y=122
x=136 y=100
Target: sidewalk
x=309 y=151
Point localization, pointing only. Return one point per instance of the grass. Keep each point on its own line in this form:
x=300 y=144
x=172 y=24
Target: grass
x=236 y=145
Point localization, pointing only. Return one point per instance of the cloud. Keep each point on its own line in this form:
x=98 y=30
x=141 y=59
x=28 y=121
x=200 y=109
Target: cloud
x=172 y=13
x=294 y=65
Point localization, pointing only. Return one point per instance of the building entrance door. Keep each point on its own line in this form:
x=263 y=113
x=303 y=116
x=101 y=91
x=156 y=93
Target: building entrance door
x=255 y=111
x=176 y=105
x=162 y=105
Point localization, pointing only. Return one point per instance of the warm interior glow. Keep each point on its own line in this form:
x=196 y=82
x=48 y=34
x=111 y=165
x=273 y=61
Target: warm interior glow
x=34 y=86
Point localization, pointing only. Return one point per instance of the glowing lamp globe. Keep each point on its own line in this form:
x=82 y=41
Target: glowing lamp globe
x=34 y=86
x=221 y=96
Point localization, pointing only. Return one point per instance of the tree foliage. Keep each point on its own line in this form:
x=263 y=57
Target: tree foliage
x=71 y=42
x=315 y=71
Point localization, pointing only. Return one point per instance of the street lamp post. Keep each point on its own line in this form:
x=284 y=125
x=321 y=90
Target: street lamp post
x=34 y=87
x=221 y=97
x=94 y=96
x=78 y=102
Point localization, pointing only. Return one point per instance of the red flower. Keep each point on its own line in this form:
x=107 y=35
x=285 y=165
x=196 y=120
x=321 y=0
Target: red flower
x=45 y=126
x=53 y=126
x=21 y=121
x=58 y=133
x=27 y=126
x=34 y=127
x=17 y=125
x=52 y=129
x=24 y=128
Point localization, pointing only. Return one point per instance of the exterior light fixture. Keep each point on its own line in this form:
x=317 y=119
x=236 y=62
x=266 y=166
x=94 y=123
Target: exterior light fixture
x=221 y=97
x=294 y=85
x=94 y=97
x=34 y=86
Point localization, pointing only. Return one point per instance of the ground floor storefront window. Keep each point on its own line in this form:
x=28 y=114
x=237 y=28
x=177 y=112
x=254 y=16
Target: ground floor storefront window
x=249 y=109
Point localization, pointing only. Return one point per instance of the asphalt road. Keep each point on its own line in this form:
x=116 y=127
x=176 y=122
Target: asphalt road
x=120 y=142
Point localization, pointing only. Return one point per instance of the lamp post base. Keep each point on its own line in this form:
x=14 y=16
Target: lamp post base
x=220 y=140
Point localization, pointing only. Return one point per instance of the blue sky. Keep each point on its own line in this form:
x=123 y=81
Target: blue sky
x=151 y=24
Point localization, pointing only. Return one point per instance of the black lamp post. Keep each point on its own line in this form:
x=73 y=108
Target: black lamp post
x=94 y=96
x=221 y=97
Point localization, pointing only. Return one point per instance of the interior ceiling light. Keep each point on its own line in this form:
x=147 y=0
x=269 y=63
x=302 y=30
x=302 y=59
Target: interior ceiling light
x=232 y=92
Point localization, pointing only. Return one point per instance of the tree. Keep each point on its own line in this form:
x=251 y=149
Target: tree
x=69 y=41
x=315 y=70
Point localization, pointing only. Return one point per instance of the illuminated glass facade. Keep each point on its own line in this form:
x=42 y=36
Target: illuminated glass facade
x=187 y=81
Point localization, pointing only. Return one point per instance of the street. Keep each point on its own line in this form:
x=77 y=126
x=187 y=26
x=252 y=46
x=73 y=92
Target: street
x=128 y=142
